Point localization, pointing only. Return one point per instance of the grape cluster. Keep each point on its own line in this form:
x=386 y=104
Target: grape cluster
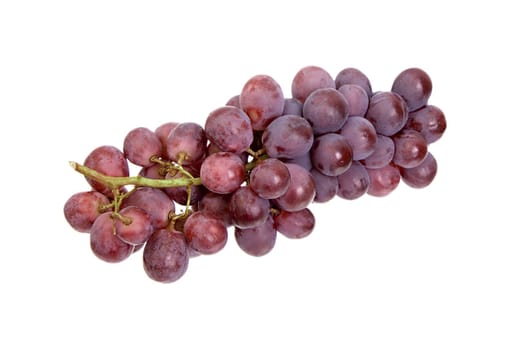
x=256 y=165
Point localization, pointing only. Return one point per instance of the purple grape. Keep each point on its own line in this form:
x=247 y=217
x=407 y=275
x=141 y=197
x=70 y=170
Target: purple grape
x=325 y=186
x=222 y=172
x=83 y=208
x=292 y=106
x=216 y=205
x=360 y=135
x=104 y=242
x=354 y=182
x=353 y=76
x=289 y=136
x=421 y=175
x=301 y=191
x=165 y=256
x=429 y=121
x=204 y=233
x=357 y=99
x=309 y=79
x=326 y=110
x=410 y=148
x=230 y=129
x=140 y=145
x=383 y=181
x=154 y=201
x=247 y=208
x=382 y=154
x=138 y=230
x=298 y=224
x=262 y=99
x=162 y=133
x=234 y=101
x=107 y=160
x=414 y=86
x=387 y=112
x=270 y=178
x=259 y=240
x=187 y=142
x=331 y=154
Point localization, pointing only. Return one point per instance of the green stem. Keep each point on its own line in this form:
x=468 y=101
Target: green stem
x=115 y=182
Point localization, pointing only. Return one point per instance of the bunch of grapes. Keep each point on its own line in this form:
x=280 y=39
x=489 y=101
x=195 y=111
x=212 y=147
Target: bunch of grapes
x=256 y=165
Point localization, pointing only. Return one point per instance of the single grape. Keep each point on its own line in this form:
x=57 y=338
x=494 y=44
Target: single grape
x=421 y=175
x=298 y=224
x=222 y=172
x=360 y=135
x=186 y=144
x=259 y=240
x=301 y=190
x=353 y=76
x=326 y=110
x=289 y=136
x=354 y=182
x=414 y=86
x=292 y=106
x=234 y=101
x=104 y=242
x=325 y=186
x=429 y=121
x=230 y=129
x=387 y=112
x=270 y=178
x=410 y=148
x=382 y=154
x=107 y=160
x=247 y=208
x=140 y=144
x=309 y=79
x=331 y=154
x=165 y=256
x=384 y=180
x=262 y=99
x=83 y=208
x=154 y=201
x=162 y=133
x=357 y=99
x=216 y=205
x=138 y=229
x=204 y=233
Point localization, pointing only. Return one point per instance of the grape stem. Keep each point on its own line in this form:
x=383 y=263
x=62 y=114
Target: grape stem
x=116 y=182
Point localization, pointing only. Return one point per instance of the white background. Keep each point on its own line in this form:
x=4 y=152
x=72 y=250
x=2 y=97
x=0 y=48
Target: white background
x=438 y=268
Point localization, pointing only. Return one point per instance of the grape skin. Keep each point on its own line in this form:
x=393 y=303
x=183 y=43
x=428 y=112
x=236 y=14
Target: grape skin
x=270 y=178
x=205 y=233
x=357 y=99
x=222 y=172
x=216 y=205
x=309 y=79
x=257 y=241
x=262 y=99
x=360 y=135
x=155 y=202
x=140 y=144
x=186 y=144
x=353 y=76
x=107 y=160
x=383 y=181
x=387 y=112
x=139 y=230
x=331 y=154
x=295 y=225
x=165 y=256
x=247 y=208
x=325 y=186
x=414 y=86
x=230 y=129
x=429 y=121
x=83 y=208
x=421 y=175
x=104 y=242
x=410 y=148
x=301 y=191
x=326 y=110
x=382 y=154
x=354 y=182
x=289 y=136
